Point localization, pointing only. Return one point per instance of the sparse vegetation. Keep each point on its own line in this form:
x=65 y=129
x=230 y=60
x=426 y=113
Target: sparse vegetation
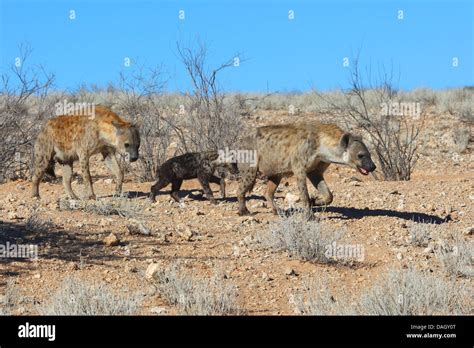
x=368 y=107
x=77 y=296
x=195 y=295
x=25 y=102
x=401 y=292
x=211 y=121
x=457 y=256
x=301 y=238
x=420 y=233
x=10 y=298
x=122 y=206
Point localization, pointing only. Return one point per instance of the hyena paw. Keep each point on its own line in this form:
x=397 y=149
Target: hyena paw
x=244 y=212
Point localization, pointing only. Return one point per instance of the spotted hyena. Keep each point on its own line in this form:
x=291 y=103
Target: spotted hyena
x=200 y=165
x=66 y=139
x=305 y=150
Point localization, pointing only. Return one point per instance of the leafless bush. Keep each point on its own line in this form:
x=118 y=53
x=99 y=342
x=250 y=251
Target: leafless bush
x=24 y=105
x=308 y=240
x=407 y=292
x=35 y=223
x=315 y=298
x=369 y=106
x=10 y=298
x=211 y=121
x=457 y=256
x=420 y=233
x=457 y=102
x=139 y=99
x=195 y=295
x=76 y=296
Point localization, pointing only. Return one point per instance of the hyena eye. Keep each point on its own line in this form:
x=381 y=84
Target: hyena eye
x=361 y=155
x=127 y=144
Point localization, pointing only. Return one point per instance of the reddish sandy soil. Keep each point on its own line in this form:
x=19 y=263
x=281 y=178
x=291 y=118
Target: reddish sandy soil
x=375 y=214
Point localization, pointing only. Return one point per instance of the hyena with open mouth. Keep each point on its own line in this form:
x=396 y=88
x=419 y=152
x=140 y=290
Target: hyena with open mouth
x=305 y=150
x=196 y=165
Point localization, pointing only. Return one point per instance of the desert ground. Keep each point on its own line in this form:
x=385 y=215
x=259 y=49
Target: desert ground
x=213 y=241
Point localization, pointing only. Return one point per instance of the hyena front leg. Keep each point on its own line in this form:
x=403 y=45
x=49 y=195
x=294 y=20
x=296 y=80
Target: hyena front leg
x=67 y=178
x=303 y=188
x=86 y=175
x=319 y=183
x=219 y=181
x=113 y=165
x=204 y=181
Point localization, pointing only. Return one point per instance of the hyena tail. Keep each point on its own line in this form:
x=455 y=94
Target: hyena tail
x=43 y=159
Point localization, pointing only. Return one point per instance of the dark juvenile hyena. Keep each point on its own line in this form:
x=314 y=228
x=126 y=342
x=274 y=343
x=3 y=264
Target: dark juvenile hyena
x=305 y=150
x=200 y=165
x=66 y=139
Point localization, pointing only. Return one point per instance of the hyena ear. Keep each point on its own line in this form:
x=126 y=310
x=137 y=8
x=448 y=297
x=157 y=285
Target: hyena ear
x=118 y=127
x=345 y=139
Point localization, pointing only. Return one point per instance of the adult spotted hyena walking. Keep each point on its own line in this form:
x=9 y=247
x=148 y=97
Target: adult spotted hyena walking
x=66 y=139
x=305 y=150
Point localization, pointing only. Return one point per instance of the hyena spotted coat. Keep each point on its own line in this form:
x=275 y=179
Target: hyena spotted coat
x=194 y=165
x=305 y=150
x=66 y=139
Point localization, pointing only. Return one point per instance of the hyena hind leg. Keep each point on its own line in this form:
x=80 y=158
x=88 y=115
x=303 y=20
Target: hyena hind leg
x=273 y=182
x=246 y=184
x=41 y=166
x=157 y=187
x=67 y=178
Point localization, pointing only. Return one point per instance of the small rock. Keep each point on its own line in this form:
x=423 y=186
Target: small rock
x=73 y=266
x=454 y=215
x=290 y=271
x=37 y=276
x=355 y=179
x=399 y=256
x=198 y=213
x=468 y=231
x=111 y=240
x=291 y=199
x=428 y=249
x=137 y=228
x=108 y=181
x=394 y=192
x=12 y=215
x=187 y=234
x=158 y=310
x=151 y=271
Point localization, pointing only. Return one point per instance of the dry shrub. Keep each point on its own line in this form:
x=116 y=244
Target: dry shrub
x=195 y=295
x=77 y=296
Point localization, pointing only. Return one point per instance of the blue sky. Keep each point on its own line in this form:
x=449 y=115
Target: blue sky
x=281 y=54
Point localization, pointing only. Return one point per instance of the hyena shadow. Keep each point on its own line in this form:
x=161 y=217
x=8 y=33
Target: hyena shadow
x=356 y=213
x=182 y=194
